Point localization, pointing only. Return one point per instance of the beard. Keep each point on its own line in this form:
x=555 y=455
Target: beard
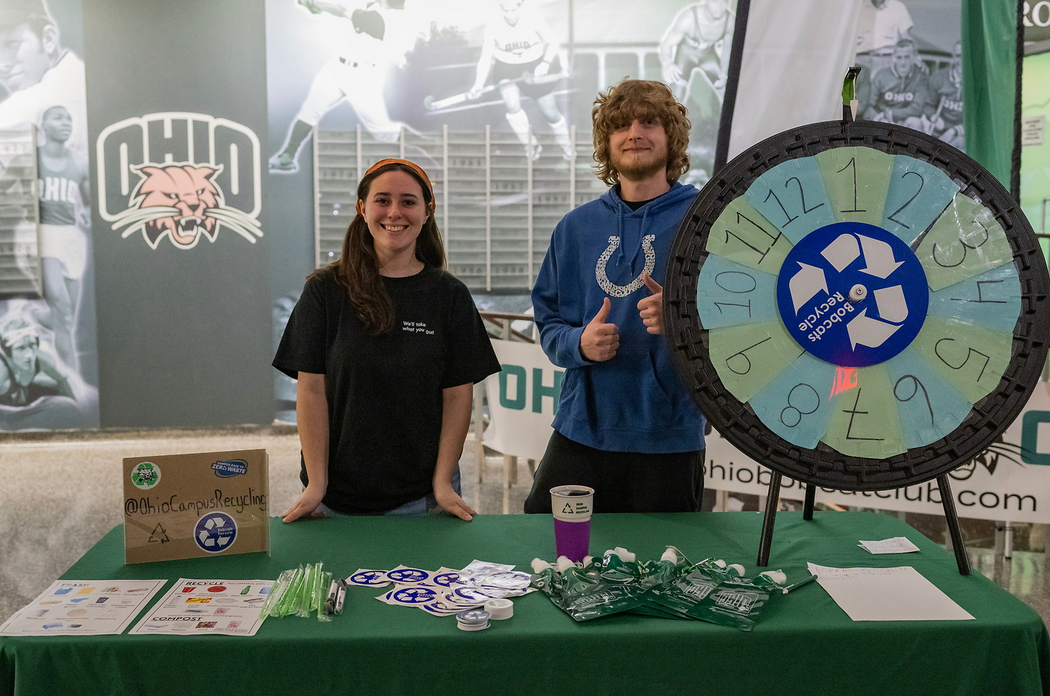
x=633 y=168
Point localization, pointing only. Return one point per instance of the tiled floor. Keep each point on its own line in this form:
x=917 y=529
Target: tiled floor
x=61 y=492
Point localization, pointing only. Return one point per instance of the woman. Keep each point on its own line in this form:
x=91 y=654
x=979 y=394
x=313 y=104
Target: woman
x=386 y=347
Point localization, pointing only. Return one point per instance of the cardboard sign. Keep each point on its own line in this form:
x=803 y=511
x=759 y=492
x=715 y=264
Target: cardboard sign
x=195 y=505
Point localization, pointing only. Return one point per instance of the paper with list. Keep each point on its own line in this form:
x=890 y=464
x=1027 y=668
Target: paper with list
x=894 y=545
x=887 y=594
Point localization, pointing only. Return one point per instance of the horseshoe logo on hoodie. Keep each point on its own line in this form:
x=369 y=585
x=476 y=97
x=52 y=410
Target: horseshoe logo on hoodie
x=611 y=288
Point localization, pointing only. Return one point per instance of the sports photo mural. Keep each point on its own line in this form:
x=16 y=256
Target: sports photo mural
x=48 y=345
x=207 y=197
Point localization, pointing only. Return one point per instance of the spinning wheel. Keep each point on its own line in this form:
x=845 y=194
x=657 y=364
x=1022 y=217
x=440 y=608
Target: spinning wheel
x=854 y=305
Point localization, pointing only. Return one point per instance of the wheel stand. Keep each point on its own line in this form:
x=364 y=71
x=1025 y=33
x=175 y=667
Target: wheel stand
x=773 y=500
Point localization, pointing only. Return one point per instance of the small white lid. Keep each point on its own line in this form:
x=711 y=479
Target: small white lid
x=500 y=608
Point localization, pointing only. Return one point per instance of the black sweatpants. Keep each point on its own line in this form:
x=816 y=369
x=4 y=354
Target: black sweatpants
x=622 y=481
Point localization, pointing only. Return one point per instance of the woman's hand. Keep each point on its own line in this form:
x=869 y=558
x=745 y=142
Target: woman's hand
x=452 y=503
x=455 y=421
x=311 y=408
x=306 y=505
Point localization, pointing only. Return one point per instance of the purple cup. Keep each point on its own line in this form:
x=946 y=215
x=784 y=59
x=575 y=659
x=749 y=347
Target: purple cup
x=572 y=506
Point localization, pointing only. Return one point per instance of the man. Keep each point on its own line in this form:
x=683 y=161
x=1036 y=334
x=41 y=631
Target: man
x=944 y=112
x=356 y=76
x=28 y=370
x=37 y=71
x=520 y=51
x=65 y=198
x=882 y=24
x=698 y=41
x=626 y=425
x=63 y=189
x=900 y=90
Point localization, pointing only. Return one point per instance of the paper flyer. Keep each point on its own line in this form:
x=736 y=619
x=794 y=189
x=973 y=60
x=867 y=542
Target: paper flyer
x=202 y=607
x=887 y=594
x=83 y=607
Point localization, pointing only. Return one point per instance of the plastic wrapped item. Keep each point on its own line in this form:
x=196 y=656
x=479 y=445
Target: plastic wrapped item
x=656 y=574
x=715 y=592
x=670 y=587
x=269 y=607
x=618 y=565
x=300 y=591
x=324 y=588
x=733 y=603
x=291 y=600
x=585 y=593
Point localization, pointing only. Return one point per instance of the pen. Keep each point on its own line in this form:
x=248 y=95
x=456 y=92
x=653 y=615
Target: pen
x=799 y=584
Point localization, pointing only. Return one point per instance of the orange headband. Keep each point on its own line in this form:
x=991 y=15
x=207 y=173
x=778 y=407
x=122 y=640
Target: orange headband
x=411 y=165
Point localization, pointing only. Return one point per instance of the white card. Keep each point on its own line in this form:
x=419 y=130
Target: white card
x=894 y=545
x=887 y=594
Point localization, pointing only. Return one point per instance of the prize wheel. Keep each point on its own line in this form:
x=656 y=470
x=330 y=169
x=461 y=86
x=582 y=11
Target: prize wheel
x=854 y=305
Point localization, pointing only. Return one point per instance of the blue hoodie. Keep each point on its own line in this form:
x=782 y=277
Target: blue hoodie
x=635 y=401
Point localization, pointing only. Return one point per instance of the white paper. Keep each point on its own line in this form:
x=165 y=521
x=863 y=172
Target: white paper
x=203 y=607
x=894 y=545
x=83 y=607
x=887 y=594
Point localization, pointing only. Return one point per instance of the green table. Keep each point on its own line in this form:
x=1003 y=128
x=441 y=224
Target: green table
x=803 y=644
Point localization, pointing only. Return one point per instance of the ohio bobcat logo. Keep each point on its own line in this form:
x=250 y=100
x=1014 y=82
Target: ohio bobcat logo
x=180 y=177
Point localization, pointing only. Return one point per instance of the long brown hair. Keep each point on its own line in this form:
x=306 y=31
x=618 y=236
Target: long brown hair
x=358 y=268
x=631 y=99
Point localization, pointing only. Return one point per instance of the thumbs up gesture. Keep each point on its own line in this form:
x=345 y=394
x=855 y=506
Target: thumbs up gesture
x=600 y=339
x=651 y=309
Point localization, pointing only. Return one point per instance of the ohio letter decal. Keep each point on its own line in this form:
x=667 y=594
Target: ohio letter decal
x=180 y=176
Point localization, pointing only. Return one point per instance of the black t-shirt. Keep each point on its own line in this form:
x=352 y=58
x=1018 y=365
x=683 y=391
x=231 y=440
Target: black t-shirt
x=385 y=392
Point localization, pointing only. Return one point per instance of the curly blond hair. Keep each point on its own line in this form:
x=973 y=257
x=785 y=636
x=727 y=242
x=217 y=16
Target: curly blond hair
x=640 y=99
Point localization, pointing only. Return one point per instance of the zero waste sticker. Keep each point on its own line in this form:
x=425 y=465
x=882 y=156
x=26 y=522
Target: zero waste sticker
x=230 y=468
x=145 y=475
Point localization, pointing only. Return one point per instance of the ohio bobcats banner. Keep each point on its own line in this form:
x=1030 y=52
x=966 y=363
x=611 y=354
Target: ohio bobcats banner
x=180 y=224
x=523 y=398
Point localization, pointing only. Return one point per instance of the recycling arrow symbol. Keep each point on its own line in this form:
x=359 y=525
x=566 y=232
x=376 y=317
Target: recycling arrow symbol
x=879 y=262
x=852 y=294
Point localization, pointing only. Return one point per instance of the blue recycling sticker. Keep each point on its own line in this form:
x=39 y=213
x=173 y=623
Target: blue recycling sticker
x=370 y=577
x=414 y=595
x=215 y=532
x=852 y=294
x=407 y=575
x=446 y=579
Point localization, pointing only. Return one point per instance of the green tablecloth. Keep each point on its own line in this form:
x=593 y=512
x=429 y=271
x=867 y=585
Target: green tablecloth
x=803 y=644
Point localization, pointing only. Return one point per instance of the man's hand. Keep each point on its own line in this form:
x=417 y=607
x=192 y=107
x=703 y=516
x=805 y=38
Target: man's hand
x=651 y=309
x=600 y=339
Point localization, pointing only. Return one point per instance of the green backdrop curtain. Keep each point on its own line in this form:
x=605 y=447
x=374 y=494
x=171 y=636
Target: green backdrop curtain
x=991 y=95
